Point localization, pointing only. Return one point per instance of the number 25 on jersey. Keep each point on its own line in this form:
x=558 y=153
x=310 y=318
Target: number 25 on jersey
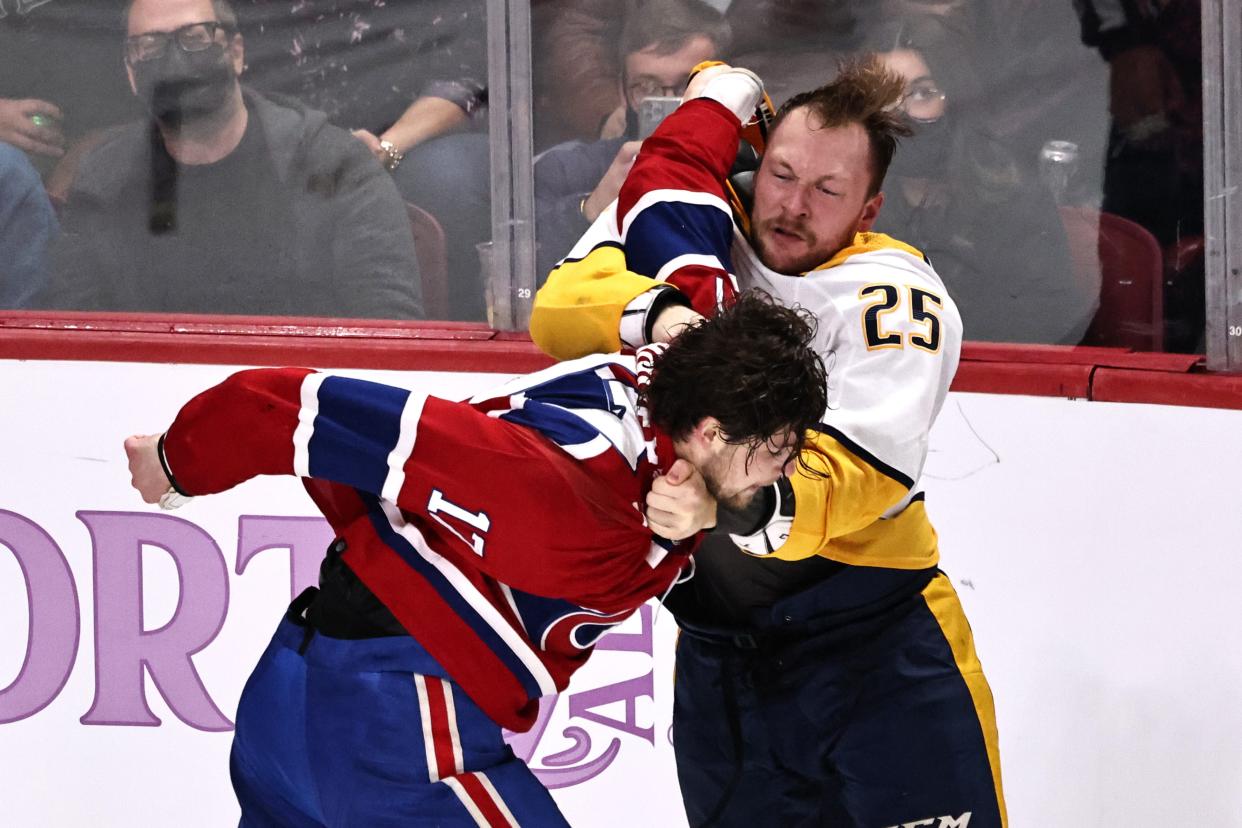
x=884 y=300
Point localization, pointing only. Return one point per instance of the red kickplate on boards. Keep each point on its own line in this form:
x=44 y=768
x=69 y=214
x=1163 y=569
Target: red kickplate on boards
x=1165 y=388
x=1040 y=380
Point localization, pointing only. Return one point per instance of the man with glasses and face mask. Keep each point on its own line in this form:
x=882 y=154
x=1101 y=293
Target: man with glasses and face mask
x=225 y=201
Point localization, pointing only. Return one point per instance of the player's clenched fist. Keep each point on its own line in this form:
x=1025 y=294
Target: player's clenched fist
x=145 y=470
x=679 y=504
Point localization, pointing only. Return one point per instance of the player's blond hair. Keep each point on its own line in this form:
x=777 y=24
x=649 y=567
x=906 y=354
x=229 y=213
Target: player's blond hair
x=864 y=92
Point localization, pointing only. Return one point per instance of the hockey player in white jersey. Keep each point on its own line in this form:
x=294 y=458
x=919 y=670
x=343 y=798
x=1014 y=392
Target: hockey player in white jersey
x=829 y=676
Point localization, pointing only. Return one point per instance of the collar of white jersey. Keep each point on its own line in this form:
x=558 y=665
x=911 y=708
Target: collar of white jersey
x=870 y=243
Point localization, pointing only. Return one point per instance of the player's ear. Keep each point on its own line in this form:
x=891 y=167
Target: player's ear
x=870 y=212
x=706 y=433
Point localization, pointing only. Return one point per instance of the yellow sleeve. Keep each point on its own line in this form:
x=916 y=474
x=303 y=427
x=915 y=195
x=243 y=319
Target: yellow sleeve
x=838 y=512
x=578 y=310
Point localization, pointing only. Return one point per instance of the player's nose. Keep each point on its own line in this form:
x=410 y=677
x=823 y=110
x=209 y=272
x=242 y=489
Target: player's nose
x=795 y=206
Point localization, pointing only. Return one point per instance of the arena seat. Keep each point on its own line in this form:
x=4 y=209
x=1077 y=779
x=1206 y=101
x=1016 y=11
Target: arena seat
x=429 y=245
x=1130 y=265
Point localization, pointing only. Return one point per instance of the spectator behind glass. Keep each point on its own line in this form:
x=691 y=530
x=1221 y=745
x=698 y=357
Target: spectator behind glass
x=575 y=66
x=955 y=192
x=406 y=77
x=659 y=44
x=59 y=80
x=60 y=74
x=225 y=201
x=395 y=72
x=793 y=43
x=27 y=227
x=1153 y=173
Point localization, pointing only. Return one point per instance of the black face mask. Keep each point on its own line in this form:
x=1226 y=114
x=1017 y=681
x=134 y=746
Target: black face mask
x=180 y=87
x=925 y=153
x=631 y=122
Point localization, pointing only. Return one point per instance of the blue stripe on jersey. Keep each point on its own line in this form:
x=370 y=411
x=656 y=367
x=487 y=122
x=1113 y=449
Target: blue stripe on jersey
x=546 y=404
x=664 y=543
x=539 y=613
x=560 y=426
x=669 y=229
x=451 y=596
x=355 y=430
x=583 y=389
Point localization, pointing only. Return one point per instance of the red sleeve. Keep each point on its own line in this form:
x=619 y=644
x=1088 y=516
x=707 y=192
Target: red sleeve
x=511 y=503
x=236 y=430
x=499 y=497
x=673 y=213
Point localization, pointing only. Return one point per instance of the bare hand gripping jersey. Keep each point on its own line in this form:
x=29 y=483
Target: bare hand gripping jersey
x=889 y=334
x=504 y=533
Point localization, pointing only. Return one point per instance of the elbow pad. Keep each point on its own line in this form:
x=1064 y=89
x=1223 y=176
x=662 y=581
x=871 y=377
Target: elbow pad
x=773 y=529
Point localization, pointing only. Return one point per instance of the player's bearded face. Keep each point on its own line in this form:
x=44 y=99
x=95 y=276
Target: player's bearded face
x=791 y=244
x=738 y=471
x=811 y=193
x=729 y=496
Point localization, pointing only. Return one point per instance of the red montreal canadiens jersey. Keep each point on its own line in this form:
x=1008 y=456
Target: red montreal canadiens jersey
x=505 y=533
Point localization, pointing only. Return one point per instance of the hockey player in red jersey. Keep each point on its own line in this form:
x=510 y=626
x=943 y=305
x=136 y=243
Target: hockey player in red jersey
x=483 y=547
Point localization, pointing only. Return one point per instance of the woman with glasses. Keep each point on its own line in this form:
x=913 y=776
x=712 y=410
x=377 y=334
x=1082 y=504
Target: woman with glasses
x=957 y=192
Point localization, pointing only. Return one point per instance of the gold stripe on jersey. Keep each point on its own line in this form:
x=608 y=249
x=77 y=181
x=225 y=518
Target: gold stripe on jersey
x=849 y=529
x=578 y=310
x=739 y=208
x=869 y=243
x=943 y=602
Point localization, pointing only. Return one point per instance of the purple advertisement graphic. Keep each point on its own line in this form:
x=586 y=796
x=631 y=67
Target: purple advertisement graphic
x=126 y=648
x=571 y=765
x=123 y=645
x=52 y=643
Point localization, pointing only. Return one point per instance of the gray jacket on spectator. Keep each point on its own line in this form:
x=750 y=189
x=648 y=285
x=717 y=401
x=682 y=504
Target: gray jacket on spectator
x=564 y=175
x=298 y=220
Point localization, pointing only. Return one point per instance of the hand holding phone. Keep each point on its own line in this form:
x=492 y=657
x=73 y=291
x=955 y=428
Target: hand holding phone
x=610 y=185
x=653 y=110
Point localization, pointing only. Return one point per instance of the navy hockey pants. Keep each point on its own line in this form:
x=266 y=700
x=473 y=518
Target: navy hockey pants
x=884 y=721
x=370 y=733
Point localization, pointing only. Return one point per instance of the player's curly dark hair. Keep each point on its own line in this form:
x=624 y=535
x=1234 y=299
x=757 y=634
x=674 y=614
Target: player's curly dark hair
x=751 y=366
